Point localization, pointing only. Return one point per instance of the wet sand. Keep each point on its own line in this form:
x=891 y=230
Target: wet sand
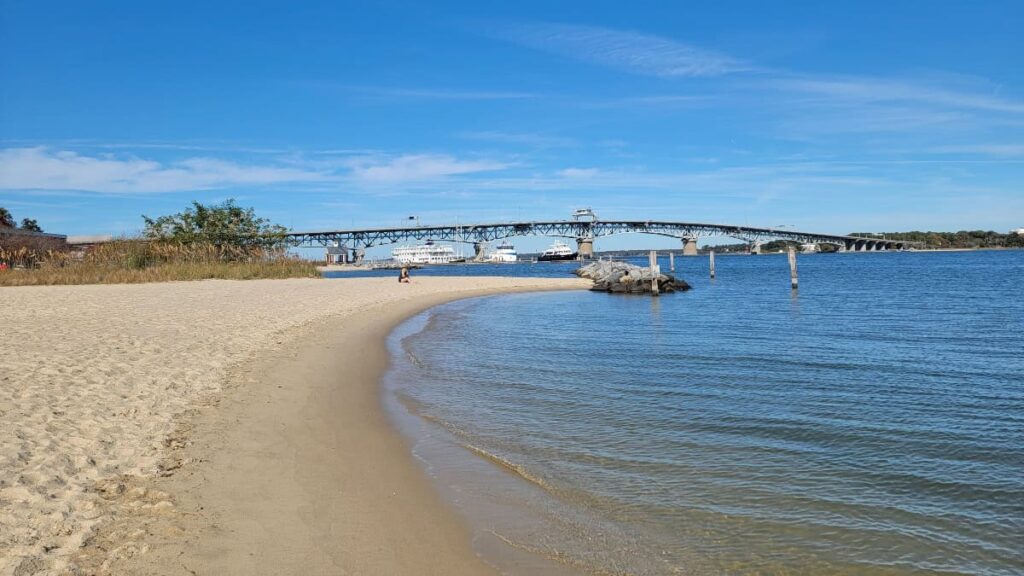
x=218 y=427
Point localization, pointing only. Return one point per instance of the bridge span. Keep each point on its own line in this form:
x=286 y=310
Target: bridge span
x=584 y=231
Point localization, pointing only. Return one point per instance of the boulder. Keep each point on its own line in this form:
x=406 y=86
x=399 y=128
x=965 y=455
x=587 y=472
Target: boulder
x=625 y=278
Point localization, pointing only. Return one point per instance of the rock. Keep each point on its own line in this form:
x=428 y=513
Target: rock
x=625 y=278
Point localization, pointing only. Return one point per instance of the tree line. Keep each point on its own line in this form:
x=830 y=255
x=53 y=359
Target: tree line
x=7 y=221
x=961 y=239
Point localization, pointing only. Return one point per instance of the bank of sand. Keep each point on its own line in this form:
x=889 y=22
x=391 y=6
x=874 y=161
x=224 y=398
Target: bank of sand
x=217 y=427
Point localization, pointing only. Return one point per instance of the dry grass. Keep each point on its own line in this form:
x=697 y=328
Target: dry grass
x=130 y=261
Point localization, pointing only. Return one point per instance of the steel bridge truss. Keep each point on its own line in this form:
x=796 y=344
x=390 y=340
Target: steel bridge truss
x=580 y=231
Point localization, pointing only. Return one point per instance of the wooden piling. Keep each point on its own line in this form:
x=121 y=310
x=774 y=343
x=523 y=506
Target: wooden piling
x=653 y=261
x=711 y=260
x=792 y=268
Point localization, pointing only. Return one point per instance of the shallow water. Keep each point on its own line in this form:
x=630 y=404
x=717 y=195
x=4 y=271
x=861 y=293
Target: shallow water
x=872 y=423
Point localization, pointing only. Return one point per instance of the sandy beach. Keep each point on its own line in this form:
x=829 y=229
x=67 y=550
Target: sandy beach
x=217 y=427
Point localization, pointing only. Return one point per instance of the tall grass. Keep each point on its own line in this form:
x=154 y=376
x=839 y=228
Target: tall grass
x=132 y=261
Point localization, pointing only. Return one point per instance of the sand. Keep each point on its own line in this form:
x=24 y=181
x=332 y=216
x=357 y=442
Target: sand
x=217 y=427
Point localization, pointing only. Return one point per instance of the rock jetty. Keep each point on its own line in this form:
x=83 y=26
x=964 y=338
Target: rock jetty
x=625 y=278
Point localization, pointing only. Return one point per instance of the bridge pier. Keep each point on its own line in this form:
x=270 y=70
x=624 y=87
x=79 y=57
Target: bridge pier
x=357 y=256
x=690 y=246
x=585 y=247
x=584 y=231
x=478 y=251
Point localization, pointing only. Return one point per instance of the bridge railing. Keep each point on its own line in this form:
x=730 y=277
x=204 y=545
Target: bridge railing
x=582 y=230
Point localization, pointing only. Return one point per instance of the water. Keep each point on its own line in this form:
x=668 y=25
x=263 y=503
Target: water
x=872 y=423
x=520 y=269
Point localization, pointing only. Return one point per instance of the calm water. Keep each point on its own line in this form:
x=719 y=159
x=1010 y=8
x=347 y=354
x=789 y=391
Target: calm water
x=873 y=423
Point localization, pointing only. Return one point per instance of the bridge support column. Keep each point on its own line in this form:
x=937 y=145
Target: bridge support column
x=357 y=256
x=585 y=247
x=478 y=251
x=690 y=246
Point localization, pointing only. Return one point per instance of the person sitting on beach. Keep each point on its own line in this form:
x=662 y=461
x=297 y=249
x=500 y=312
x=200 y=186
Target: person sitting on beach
x=403 y=275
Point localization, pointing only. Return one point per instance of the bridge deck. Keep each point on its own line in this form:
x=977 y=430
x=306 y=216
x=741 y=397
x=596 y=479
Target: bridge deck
x=580 y=230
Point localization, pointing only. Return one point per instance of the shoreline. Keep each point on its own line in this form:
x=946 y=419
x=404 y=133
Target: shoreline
x=289 y=465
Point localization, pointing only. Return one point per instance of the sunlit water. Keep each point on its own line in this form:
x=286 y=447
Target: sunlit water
x=872 y=423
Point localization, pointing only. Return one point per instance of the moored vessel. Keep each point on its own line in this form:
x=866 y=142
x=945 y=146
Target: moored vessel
x=504 y=253
x=426 y=253
x=557 y=252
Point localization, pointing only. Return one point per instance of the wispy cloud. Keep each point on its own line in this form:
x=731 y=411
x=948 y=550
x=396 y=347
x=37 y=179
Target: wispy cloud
x=418 y=168
x=866 y=89
x=520 y=138
x=43 y=169
x=446 y=93
x=802 y=119
x=736 y=181
x=187 y=146
x=799 y=105
x=579 y=173
x=1000 y=150
x=624 y=50
x=40 y=168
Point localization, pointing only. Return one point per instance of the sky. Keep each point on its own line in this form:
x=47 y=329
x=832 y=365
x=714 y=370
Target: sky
x=824 y=116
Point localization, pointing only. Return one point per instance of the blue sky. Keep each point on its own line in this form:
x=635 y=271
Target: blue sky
x=827 y=116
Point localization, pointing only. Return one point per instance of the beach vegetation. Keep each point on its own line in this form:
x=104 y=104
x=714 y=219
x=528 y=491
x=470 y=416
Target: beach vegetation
x=27 y=224
x=30 y=225
x=223 y=225
x=222 y=241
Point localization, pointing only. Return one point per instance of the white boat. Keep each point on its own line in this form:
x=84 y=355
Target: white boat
x=558 y=251
x=426 y=253
x=504 y=253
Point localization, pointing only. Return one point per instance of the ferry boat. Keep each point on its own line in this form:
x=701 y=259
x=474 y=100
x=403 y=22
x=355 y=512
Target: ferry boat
x=557 y=252
x=504 y=253
x=426 y=253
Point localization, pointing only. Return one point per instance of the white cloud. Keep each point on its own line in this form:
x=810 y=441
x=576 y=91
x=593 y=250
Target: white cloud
x=865 y=89
x=629 y=51
x=418 y=167
x=39 y=168
x=579 y=173
x=45 y=169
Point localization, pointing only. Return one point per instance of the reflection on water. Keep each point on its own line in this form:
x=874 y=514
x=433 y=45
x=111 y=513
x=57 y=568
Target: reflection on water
x=858 y=427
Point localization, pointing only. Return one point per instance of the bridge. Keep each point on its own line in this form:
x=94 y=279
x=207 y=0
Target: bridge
x=582 y=229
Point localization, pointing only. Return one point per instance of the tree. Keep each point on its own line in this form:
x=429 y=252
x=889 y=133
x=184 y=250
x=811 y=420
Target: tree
x=30 y=225
x=6 y=219
x=224 y=224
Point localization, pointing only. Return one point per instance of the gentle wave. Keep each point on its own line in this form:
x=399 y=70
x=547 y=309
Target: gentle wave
x=854 y=428
x=512 y=467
